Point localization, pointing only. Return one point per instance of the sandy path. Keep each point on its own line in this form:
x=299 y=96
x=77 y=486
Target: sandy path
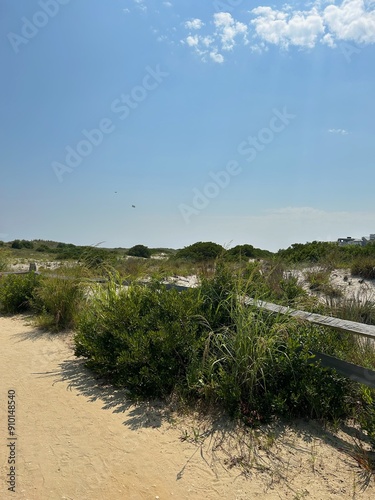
x=79 y=440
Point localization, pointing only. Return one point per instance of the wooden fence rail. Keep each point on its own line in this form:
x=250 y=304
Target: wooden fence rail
x=318 y=319
x=354 y=372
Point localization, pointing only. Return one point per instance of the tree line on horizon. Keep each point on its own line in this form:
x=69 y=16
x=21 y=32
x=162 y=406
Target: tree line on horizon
x=311 y=252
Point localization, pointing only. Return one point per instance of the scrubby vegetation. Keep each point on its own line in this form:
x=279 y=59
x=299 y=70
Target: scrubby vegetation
x=4 y=259
x=201 y=251
x=140 y=251
x=18 y=244
x=364 y=267
x=205 y=344
x=326 y=253
x=58 y=300
x=246 y=252
x=17 y=292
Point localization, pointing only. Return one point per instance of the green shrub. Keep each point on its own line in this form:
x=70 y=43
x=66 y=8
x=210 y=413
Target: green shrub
x=18 y=244
x=201 y=251
x=366 y=413
x=312 y=252
x=17 y=291
x=246 y=252
x=97 y=258
x=43 y=248
x=143 y=338
x=140 y=251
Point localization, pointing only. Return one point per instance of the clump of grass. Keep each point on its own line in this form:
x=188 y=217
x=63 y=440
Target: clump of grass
x=17 y=292
x=364 y=267
x=319 y=282
x=59 y=299
x=4 y=259
x=359 y=307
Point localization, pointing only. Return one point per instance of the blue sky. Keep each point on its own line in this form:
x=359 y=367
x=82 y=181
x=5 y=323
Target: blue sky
x=229 y=121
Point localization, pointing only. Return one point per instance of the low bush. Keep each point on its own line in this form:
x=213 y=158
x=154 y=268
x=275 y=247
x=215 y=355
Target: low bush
x=18 y=244
x=246 y=252
x=201 y=251
x=140 y=251
x=143 y=338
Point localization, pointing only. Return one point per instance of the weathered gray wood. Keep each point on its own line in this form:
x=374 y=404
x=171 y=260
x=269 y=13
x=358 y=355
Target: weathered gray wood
x=7 y=273
x=318 y=319
x=349 y=370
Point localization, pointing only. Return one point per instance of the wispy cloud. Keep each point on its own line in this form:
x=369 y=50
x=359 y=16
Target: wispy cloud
x=228 y=29
x=340 y=131
x=223 y=38
x=350 y=21
x=194 y=24
x=141 y=4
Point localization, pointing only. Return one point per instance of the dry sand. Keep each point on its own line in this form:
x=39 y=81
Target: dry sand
x=351 y=287
x=79 y=439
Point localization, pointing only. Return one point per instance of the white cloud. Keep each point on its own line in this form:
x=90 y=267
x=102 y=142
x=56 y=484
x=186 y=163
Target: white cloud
x=352 y=20
x=340 y=131
x=215 y=56
x=288 y=28
x=167 y=4
x=141 y=5
x=192 y=41
x=194 y=24
x=228 y=29
x=322 y=22
x=208 y=47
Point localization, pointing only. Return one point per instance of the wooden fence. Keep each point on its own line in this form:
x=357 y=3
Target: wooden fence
x=353 y=372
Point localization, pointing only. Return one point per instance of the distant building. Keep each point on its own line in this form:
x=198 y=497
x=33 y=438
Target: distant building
x=355 y=241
